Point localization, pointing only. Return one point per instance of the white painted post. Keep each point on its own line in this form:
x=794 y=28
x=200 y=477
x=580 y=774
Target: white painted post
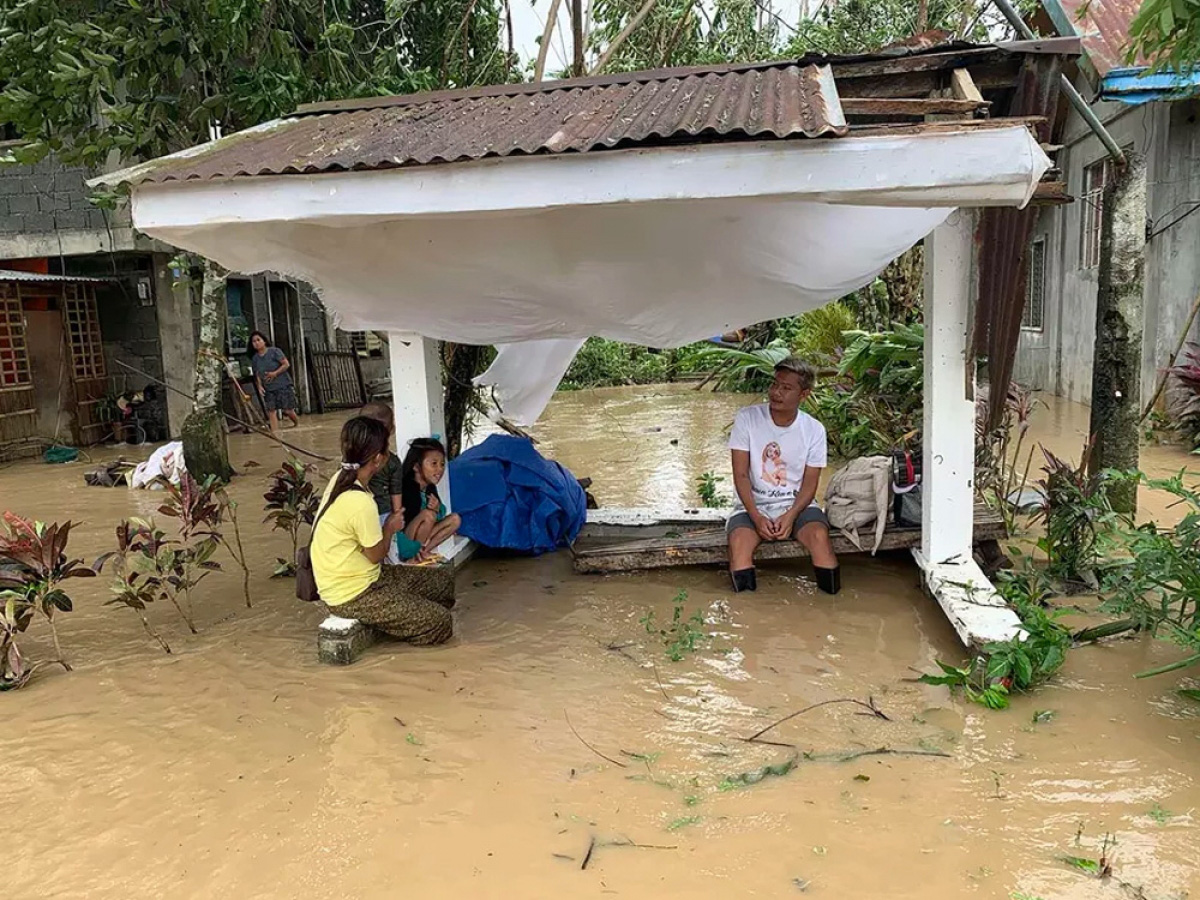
x=947 y=515
x=419 y=406
x=417 y=397
x=977 y=613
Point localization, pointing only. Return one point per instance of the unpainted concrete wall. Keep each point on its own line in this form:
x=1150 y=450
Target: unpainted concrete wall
x=1059 y=359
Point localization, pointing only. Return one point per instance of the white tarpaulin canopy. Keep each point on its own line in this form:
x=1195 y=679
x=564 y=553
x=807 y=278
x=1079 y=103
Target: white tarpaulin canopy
x=657 y=247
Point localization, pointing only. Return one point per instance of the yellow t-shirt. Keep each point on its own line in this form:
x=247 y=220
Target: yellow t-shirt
x=352 y=523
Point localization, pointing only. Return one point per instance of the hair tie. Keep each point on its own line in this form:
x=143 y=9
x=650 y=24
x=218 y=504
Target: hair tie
x=350 y=467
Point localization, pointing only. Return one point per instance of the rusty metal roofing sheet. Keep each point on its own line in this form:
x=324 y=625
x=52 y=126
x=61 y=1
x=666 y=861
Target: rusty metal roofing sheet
x=782 y=101
x=1103 y=26
x=39 y=277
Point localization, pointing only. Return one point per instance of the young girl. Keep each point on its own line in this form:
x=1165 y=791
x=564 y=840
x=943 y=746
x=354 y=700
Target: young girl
x=426 y=522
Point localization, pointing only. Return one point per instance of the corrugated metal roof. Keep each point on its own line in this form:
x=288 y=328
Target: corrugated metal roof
x=1103 y=26
x=16 y=275
x=781 y=101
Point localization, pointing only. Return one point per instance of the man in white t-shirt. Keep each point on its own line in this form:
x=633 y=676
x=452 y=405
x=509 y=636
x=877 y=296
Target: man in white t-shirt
x=778 y=454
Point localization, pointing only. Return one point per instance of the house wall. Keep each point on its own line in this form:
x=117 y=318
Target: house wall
x=44 y=211
x=1172 y=257
x=1059 y=359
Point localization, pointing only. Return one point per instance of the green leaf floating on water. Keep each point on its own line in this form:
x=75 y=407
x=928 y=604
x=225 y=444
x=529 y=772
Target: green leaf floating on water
x=1082 y=864
x=683 y=822
x=1190 y=693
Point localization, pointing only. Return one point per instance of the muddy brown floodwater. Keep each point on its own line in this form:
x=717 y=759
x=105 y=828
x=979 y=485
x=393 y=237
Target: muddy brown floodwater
x=238 y=767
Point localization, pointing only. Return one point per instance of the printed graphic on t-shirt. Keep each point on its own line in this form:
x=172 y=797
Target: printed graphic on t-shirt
x=774 y=468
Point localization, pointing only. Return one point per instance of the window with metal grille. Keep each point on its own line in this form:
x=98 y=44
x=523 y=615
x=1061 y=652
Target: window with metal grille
x=83 y=331
x=1034 y=316
x=365 y=343
x=1095 y=179
x=14 y=354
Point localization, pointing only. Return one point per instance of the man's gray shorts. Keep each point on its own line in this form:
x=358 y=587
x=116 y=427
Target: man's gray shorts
x=807 y=517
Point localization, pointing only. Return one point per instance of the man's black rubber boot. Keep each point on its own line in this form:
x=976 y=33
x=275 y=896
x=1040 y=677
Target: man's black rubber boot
x=745 y=580
x=829 y=580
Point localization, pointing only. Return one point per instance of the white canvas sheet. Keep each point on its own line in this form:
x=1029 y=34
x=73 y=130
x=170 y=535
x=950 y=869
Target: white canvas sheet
x=661 y=272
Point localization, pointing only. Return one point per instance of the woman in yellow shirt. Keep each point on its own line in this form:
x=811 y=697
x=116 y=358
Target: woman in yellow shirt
x=349 y=544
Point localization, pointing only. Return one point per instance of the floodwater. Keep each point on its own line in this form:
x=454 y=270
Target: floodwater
x=553 y=723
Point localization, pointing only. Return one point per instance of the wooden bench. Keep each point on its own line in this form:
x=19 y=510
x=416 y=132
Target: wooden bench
x=709 y=547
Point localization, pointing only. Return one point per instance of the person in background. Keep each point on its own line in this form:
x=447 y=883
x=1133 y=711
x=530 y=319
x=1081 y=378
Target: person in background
x=387 y=484
x=778 y=453
x=427 y=524
x=273 y=379
x=348 y=545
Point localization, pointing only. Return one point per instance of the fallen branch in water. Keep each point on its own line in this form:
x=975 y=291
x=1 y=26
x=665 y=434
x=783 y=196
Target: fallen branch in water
x=587 y=857
x=620 y=648
x=660 y=684
x=869 y=704
x=615 y=762
x=878 y=751
x=1105 y=630
x=636 y=845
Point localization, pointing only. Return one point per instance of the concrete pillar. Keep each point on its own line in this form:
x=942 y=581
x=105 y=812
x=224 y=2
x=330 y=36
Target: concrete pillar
x=977 y=613
x=417 y=393
x=176 y=338
x=1120 y=312
x=947 y=518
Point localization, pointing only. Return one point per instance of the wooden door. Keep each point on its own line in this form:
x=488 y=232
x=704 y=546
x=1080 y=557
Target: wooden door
x=89 y=377
x=18 y=413
x=52 y=381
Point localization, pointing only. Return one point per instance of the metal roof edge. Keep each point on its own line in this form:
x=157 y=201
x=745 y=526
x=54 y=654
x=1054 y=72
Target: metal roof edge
x=1136 y=85
x=45 y=278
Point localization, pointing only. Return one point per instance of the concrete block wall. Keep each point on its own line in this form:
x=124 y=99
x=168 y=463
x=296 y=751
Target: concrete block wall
x=44 y=211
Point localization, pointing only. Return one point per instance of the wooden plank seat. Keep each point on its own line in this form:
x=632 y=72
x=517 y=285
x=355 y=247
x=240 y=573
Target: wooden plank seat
x=709 y=547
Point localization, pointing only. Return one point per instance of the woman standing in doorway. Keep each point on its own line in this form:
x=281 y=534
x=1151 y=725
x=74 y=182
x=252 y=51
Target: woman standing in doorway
x=273 y=380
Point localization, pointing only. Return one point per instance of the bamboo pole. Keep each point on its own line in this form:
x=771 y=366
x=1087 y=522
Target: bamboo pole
x=1166 y=373
x=623 y=36
x=539 y=69
x=577 y=37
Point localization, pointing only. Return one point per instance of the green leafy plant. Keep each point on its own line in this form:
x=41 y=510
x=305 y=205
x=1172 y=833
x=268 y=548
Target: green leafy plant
x=291 y=504
x=683 y=634
x=742 y=369
x=1074 y=507
x=33 y=567
x=604 y=363
x=1167 y=32
x=139 y=561
x=1017 y=665
x=1156 y=580
x=197 y=507
x=707 y=486
x=152 y=566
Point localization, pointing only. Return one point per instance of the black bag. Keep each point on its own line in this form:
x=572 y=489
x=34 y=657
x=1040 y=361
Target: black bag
x=906 y=488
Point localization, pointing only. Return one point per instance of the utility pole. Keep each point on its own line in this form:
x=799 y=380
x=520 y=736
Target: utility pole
x=577 y=31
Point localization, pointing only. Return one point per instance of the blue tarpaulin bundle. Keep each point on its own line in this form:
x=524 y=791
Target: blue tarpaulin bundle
x=511 y=497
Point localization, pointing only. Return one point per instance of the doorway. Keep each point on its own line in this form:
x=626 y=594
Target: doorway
x=50 y=368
